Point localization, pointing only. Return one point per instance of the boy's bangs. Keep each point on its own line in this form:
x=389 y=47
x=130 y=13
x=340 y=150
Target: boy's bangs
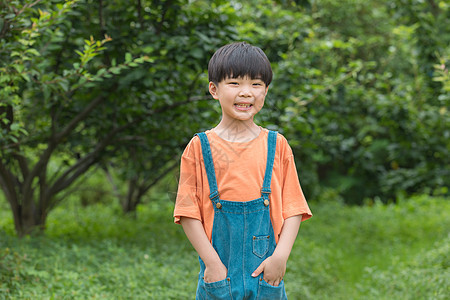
x=241 y=65
x=239 y=60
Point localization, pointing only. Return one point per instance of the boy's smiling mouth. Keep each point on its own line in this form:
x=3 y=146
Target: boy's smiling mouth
x=243 y=106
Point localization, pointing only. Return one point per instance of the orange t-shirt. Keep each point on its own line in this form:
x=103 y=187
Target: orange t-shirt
x=240 y=169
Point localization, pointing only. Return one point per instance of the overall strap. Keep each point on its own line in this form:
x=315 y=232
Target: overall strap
x=209 y=165
x=271 y=147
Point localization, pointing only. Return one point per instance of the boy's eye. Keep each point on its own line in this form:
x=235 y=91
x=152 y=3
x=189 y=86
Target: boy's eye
x=258 y=84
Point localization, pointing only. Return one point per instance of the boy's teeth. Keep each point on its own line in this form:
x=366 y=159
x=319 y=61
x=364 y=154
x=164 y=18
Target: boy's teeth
x=243 y=105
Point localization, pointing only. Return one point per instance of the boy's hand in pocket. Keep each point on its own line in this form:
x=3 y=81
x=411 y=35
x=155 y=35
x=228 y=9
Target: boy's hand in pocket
x=273 y=269
x=215 y=273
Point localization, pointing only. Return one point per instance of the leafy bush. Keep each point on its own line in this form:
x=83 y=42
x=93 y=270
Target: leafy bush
x=354 y=93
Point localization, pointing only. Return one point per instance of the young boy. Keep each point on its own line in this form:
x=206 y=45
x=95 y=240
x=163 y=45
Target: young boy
x=239 y=199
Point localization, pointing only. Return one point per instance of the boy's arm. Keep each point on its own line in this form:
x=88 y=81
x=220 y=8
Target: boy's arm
x=274 y=266
x=214 y=268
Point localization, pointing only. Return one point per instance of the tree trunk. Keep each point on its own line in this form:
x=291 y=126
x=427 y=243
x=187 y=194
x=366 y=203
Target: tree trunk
x=130 y=202
x=28 y=219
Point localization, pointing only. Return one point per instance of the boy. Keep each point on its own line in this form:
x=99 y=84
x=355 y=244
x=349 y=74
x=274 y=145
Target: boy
x=239 y=199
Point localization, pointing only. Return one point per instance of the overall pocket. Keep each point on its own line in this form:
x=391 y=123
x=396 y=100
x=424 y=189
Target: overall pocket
x=270 y=292
x=219 y=290
x=261 y=245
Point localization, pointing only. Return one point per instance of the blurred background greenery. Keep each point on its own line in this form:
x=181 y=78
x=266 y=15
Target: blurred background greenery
x=99 y=98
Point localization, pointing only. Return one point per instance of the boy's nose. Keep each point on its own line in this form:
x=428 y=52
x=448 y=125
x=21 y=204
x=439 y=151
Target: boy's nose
x=245 y=92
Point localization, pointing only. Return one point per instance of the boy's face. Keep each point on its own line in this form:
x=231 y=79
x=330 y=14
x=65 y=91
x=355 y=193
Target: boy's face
x=240 y=98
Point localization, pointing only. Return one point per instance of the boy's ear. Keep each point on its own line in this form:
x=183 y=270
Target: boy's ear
x=213 y=90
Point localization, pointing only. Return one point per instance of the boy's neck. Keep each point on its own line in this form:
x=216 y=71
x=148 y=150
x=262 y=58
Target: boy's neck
x=237 y=131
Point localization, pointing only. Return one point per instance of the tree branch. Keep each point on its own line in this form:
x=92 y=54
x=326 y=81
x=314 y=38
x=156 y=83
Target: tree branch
x=84 y=163
x=87 y=161
x=166 y=6
x=139 y=10
x=17 y=13
x=9 y=112
x=27 y=6
x=113 y=184
x=7 y=182
x=43 y=201
x=159 y=177
x=68 y=191
x=52 y=144
x=100 y=18
x=77 y=119
x=22 y=164
x=159 y=110
x=11 y=195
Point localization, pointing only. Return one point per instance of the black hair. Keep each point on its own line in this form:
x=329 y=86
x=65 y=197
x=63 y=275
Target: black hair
x=238 y=60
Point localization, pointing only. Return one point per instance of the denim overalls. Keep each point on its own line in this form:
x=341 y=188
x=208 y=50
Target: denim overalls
x=243 y=237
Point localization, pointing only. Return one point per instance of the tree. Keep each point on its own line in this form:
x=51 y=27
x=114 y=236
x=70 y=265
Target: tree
x=65 y=108
x=33 y=78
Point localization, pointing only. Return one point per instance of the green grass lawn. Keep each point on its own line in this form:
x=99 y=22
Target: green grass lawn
x=378 y=252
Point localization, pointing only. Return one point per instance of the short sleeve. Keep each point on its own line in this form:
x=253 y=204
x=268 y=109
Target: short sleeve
x=294 y=202
x=187 y=201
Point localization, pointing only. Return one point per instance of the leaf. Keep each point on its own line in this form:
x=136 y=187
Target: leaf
x=26 y=76
x=128 y=57
x=24 y=42
x=10 y=16
x=13 y=139
x=19 y=67
x=147 y=49
x=115 y=70
x=47 y=92
x=64 y=84
x=23 y=131
x=101 y=72
x=197 y=53
x=15 y=127
x=33 y=51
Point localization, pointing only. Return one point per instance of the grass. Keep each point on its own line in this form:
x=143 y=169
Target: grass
x=371 y=252
x=351 y=248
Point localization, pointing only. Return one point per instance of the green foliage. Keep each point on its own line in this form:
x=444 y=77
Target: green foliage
x=28 y=72
x=343 y=252
x=65 y=59
x=360 y=91
x=39 y=70
x=442 y=75
x=354 y=93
